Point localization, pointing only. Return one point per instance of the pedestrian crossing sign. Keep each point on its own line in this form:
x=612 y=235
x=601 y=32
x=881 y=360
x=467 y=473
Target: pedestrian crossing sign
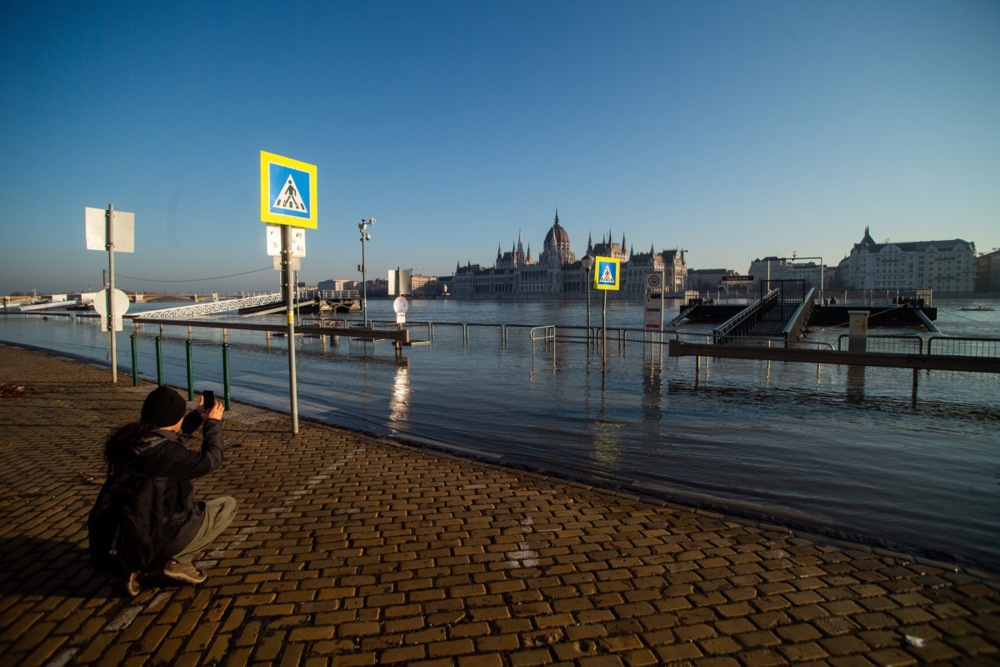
x=608 y=273
x=287 y=191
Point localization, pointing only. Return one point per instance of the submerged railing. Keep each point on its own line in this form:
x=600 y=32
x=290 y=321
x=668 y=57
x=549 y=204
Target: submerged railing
x=961 y=346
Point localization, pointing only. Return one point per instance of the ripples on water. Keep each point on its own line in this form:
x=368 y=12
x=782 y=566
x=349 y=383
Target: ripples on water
x=822 y=446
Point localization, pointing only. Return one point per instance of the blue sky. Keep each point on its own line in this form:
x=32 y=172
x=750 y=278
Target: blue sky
x=734 y=130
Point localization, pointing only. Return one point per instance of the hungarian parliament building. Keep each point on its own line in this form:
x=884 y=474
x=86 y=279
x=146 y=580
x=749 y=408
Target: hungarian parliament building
x=558 y=271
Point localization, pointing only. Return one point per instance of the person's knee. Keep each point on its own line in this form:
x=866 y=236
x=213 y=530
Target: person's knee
x=226 y=506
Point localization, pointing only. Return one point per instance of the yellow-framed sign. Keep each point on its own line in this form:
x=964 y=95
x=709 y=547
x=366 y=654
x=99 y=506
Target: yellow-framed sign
x=608 y=273
x=287 y=191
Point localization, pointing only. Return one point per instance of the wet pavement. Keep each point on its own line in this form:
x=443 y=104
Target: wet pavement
x=350 y=549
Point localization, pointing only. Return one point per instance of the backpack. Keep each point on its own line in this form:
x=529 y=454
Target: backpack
x=125 y=532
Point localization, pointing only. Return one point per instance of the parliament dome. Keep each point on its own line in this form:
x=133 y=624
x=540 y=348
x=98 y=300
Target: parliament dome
x=557 y=236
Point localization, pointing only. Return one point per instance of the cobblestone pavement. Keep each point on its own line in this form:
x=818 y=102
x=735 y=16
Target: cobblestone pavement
x=352 y=550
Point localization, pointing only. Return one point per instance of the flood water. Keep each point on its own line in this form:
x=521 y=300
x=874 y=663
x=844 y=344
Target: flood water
x=846 y=452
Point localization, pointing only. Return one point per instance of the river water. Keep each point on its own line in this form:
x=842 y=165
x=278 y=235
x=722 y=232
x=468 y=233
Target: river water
x=854 y=455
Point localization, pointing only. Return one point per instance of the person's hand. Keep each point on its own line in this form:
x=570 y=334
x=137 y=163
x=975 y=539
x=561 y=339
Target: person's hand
x=216 y=411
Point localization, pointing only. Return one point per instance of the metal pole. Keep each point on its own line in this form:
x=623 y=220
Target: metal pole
x=604 y=328
x=225 y=374
x=287 y=276
x=364 y=284
x=135 y=363
x=588 y=307
x=190 y=368
x=159 y=363
x=109 y=218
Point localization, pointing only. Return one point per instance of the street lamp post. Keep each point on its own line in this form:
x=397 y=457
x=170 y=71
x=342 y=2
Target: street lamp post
x=588 y=264
x=365 y=236
x=822 y=270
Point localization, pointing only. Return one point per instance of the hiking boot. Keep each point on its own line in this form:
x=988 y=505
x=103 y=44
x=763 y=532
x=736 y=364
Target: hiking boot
x=132 y=584
x=185 y=572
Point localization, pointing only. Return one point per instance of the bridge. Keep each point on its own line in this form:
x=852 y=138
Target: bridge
x=211 y=307
x=259 y=304
x=139 y=297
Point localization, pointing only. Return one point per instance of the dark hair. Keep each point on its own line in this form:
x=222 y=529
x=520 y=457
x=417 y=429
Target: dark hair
x=118 y=448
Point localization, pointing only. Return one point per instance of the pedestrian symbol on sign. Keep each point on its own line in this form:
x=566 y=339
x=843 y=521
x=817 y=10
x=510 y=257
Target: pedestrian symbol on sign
x=289 y=198
x=287 y=191
x=607 y=275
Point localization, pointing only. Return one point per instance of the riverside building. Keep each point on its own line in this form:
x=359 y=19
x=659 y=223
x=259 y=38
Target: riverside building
x=558 y=271
x=944 y=266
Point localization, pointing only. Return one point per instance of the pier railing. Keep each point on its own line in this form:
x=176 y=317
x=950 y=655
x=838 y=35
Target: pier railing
x=962 y=346
x=887 y=344
x=965 y=346
x=744 y=322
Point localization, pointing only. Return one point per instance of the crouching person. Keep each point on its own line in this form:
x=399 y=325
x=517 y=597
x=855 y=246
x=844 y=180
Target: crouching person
x=146 y=517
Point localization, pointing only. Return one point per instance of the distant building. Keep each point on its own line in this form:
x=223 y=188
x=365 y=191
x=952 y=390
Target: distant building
x=338 y=285
x=943 y=266
x=707 y=280
x=785 y=268
x=988 y=272
x=558 y=271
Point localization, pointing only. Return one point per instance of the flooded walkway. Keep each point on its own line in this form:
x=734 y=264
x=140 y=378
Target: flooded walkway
x=353 y=550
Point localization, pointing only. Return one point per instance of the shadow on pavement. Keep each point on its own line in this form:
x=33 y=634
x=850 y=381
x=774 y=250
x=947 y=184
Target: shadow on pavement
x=39 y=566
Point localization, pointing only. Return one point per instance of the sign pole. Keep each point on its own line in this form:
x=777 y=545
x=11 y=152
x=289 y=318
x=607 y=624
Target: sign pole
x=110 y=216
x=604 y=330
x=287 y=276
x=288 y=199
x=663 y=306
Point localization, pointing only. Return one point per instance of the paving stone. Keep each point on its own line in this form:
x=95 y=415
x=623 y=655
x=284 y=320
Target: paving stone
x=350 y=549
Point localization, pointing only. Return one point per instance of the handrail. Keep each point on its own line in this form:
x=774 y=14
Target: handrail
x=800 y=319
x=548 y=332
x=753 y=312
x=401 y=335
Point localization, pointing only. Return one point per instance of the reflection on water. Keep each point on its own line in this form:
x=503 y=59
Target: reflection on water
x=652 y=391
x=607 y=444
x=855 y=384
x=399 y=403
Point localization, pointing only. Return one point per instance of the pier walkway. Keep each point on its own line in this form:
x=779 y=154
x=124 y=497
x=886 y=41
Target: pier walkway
x=350 y=549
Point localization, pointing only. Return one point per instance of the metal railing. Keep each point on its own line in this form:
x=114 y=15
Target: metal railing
x=964 y=346
x=957 y=346
x=545 y=332
x=796 y=326
x=887 y=344
x=337 y=294
x=743 y=322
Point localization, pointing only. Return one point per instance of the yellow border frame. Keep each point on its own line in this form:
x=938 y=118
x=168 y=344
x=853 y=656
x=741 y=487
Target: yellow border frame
x=618 y=273
x=267 y=159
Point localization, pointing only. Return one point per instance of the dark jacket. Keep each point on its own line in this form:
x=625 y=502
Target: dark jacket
x=161 y=454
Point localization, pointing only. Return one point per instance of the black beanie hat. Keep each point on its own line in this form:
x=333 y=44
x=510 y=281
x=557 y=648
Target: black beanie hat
x=163 y=407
